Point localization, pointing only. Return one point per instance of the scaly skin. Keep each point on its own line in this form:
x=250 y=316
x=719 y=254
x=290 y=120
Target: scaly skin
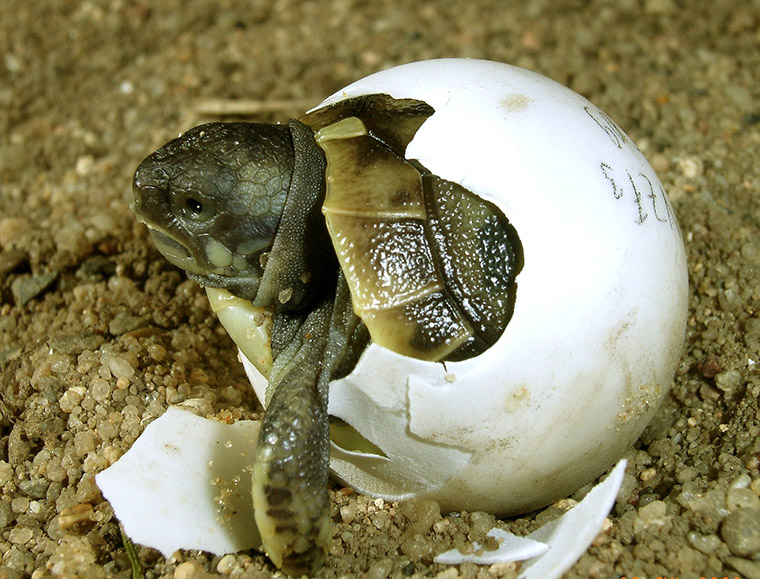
x=290 y=472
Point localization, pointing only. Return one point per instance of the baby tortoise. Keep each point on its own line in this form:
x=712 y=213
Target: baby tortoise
x=333 y=238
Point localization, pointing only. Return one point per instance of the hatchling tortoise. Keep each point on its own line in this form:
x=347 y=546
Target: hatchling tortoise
x=336 y=239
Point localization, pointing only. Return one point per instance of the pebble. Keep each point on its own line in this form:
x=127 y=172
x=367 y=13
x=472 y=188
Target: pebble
x=19 y=505
x=12 y=229
x=35 y=488
x=6 y=516
x=6 y=473
x=84 y=442
x=380 y=569
x=100 y=389
x=421 y=514
x=119 y=367
x=190 y=570
x=748 y=569
x=11 y=260
x=482 y=522
x=741 y=532
x=226 y=564
x=707 y=544
x=653 y=513
x=417 y=547
x=124 y=323
x=76 y=343
x=728 y=380
x=20 y=535
x=157 y=352
x=72 y=517
x=71 y=398
x=738 y=498
x=27 y=287
x=348 y=513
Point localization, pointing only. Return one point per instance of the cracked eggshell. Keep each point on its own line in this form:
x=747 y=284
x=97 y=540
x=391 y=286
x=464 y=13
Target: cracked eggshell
x=599 y=314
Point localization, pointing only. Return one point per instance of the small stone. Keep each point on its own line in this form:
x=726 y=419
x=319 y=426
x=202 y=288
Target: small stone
x=285 y=295
x=741 y=532
x=71 y=399
x=11 y=260
x=748 y=569
x=119 y=367
x=27 y=287
x=482 y=523
x=84 y=442
x=190 y=570
x=421 y=514
x=157 y=352
x=707 y=544
x=76 y=517
x=417 y=547
x=348 y=513
x=35 y=488
x=728 y=380
x=76 y=343
x=19 y=505
x=653 y=513
x=12 y=229
x=6 y=516
x=647 y=474
x=226 y=564
x=100 y=389
x=124 y=323
x=738 y=498
x=741 y=482
x=20 y=535
x=380 y=569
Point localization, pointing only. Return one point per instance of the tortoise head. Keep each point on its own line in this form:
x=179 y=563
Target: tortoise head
x=212 y=200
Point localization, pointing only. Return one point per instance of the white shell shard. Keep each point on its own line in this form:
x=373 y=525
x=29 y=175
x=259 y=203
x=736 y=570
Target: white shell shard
x=410 y=466
x=600 y=309
x=248 y=326
x=555 y=547
x=511 y=548
x=186 y=484
x=571 y=534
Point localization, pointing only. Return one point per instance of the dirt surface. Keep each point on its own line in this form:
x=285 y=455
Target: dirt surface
x=98 y=334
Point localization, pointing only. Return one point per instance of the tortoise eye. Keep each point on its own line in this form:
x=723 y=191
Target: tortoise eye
x=195 y=206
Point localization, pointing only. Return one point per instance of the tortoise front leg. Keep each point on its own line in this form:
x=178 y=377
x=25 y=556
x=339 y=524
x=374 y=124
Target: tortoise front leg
x=290 y=472
x=291 y=468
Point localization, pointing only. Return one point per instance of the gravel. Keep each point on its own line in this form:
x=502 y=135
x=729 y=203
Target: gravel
x=99 y=335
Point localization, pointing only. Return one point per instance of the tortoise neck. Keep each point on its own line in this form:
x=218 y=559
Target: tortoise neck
x=302 y=262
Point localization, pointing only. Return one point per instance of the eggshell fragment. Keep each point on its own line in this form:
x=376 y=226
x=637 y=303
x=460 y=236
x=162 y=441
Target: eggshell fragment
x=554 y=548
x=511 y=548
x=166 y=491
x=186 y=484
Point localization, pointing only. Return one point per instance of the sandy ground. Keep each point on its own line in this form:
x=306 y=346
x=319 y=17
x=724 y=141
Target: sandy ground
x=98 y=335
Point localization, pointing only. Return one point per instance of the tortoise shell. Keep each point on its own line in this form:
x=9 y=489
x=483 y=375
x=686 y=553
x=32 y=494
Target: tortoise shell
x=431 y=266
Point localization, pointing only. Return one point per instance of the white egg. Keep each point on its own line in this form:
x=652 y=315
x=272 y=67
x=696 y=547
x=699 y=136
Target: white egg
x=599 y=316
